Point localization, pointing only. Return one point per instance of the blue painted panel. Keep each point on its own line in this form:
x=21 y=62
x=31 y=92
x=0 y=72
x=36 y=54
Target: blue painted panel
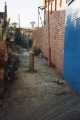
x=72 y=46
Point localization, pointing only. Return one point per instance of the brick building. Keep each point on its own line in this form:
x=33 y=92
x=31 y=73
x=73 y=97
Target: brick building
x=51 y=38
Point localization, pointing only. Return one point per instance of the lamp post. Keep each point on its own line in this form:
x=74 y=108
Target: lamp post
x=40 y=8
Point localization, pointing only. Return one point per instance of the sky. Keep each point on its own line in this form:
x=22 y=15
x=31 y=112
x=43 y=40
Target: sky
x=27 y=9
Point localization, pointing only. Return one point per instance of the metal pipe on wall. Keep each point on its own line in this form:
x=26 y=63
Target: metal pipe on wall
x=55 y=5
x=38 y=17
x=51 y=6
x=49 y=55
x=44 y=12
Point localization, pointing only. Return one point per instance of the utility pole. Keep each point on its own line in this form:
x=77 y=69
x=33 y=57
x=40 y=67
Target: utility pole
x=19 y=21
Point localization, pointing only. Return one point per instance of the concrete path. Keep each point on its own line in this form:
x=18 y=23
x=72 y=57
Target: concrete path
x=33 y=96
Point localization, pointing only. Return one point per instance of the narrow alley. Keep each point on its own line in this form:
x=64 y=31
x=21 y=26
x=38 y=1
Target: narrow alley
x=35 y=96
x=40 y=60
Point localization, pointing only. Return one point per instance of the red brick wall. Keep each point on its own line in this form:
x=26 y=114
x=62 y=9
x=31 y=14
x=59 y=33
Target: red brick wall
x=40 y=38
x=57 y=39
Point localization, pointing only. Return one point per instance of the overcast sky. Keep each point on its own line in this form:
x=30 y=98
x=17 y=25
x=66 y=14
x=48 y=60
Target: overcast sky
x=26 y=8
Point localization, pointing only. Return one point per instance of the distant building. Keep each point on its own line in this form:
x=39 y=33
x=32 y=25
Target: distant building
x=27 y=32
x=3 y=21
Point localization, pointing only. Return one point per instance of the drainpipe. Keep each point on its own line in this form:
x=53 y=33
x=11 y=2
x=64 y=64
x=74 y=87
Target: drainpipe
x=38 y=17
x=51 y=7
x=49 y=54
x=55 y=5
x=44 y=12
